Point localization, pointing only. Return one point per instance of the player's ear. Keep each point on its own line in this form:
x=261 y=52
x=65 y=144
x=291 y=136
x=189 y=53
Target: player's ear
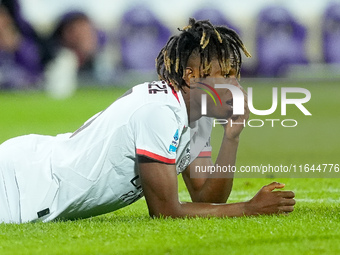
x=188 y=74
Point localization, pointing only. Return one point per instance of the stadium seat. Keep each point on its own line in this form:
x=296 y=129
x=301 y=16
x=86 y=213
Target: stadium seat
x=141 y=37
x=280 y=42
x=331 y=34
x=215 y=16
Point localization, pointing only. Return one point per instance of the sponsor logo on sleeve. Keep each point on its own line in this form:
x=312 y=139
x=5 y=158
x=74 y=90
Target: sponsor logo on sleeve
x=174 y=144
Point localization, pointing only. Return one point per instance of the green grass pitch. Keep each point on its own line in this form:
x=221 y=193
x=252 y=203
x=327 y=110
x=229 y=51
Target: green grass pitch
x=313 y=228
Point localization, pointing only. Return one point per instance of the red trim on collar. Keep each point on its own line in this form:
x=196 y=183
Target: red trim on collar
x=174 y=92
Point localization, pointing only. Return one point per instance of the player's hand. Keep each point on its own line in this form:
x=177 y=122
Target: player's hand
x=233 y=131
x=268 y=201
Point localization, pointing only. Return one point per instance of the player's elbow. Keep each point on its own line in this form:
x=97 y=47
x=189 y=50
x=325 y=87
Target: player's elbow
x=214 y=198
x=170 y=210
x=219 y=196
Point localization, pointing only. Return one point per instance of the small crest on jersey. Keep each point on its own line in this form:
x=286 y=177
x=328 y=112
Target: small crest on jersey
x=176 y=135
x=174 y=143
x=184 y=162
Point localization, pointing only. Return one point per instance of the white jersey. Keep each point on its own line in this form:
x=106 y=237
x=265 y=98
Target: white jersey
x=94 y=170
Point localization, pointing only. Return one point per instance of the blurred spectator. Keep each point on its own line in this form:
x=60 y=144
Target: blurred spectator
x=280 y=41
x=76 y=32
x=216 y=17
x=141 y=37
x=20 y=59
x=28 y=60
x=75 y=43
x=331 y=34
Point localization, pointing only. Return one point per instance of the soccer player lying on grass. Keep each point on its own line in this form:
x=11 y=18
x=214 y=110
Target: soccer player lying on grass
x=138 y=145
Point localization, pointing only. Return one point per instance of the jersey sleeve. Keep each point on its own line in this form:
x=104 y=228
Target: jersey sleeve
x=206 y=151
x=200 y=139
x=156 y=133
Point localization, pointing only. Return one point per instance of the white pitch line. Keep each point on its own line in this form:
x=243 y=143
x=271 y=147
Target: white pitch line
x=246 y=195
x=321 y=200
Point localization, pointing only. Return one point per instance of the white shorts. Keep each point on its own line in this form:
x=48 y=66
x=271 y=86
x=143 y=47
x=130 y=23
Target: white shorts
x=24 y=177
x=9 y=192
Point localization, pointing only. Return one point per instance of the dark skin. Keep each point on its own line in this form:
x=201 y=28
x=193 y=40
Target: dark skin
x=209 y=195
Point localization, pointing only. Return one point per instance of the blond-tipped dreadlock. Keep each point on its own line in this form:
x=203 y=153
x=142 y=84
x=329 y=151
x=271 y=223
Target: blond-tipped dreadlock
x=209 y=41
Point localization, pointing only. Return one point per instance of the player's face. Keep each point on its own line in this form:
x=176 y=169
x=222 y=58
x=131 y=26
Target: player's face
x=200 y=83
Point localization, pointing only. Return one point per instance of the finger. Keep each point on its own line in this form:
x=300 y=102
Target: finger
x=246 y=113
x=286 y=208
x=244 y=116
x=273 y=185
x=286 y=194
x=243 y=90
x=290 y=201
x=245 y=98
x=287 y=201
x=235 y=117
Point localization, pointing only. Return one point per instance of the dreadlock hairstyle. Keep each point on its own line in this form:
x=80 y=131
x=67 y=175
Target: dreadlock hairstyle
x=209 y=42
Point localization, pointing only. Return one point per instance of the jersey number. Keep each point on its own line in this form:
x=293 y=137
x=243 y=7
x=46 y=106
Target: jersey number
x=133 y=195
x=155 y=88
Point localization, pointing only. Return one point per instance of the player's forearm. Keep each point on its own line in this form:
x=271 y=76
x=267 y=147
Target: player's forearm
x=228 y=152
x=217 y=188
x=265 y=202
x=206 y=210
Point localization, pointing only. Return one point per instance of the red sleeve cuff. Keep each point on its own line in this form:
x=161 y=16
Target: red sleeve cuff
x=155 y=156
